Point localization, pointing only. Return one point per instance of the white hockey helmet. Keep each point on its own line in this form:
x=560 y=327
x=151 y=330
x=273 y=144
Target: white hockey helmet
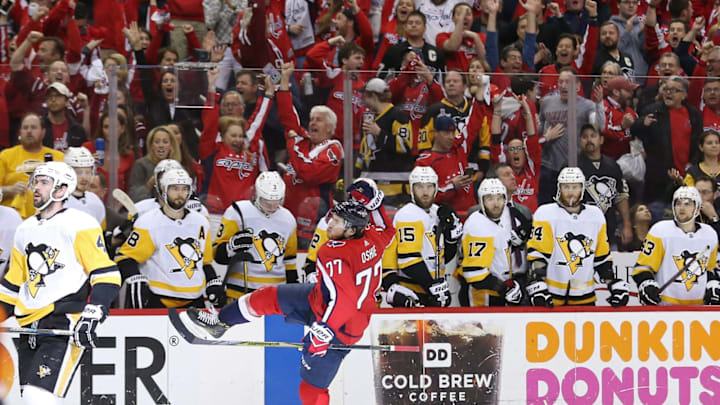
x=174 y=177
x=570 y=175
x=690 y=193
x=490 y=187
x=79 y=157
x=62 y=175
x=422 y=174
x=270 y=186
x=163 y=166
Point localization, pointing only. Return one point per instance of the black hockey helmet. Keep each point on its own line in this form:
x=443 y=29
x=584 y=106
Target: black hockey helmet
x=355 y=215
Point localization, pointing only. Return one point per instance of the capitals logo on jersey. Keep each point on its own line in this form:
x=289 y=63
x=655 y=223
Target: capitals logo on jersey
x=603 y=190
x=270 y=246
x=575 y=248
x=187 y=253
x=41 y=262
x=696 y=268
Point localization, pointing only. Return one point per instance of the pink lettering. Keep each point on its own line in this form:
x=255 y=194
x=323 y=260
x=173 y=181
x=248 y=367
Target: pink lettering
x=580 y=374
x=710 y=380
x=684 y=375
x=661 y=384
x=533 y=378
x=613 y=386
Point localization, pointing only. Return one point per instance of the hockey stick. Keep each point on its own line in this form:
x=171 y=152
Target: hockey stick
x=195 y=340
x=242 y=223
x=684 y=269
x=125 y=201
x=38 y=332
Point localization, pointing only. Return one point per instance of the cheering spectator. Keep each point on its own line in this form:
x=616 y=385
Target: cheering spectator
x=387 y=140
x=524 y=159
x=553 y=124
x=462 y=45
x=515 y=57
x=632 y=36
x=61 y=131
x=238 y=157
x=220 y=18
x=709 y=164
x=191 y=166
x=127 y=147
x=711 y=99
x=668 y=65
x=619 y=117
x=314 y=159
x=255 y=43
x=161 y=145
x=439 y=17
x=395 y=59
x=449 y=162
x=514 y=116
x=185 y=12
x=609 y=51
x=19 y=162
x=670 y=130
x=394 y=31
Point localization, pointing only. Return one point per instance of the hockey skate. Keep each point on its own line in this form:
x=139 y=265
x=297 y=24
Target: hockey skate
x=205 y=324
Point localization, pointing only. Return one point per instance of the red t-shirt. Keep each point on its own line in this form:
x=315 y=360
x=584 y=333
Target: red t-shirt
x=711 y=119
x=60 y=136
x=461 y=58
x=680 y=131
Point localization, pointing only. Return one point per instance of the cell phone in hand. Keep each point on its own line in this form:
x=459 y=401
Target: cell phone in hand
x=469 y=171
x=274 y=74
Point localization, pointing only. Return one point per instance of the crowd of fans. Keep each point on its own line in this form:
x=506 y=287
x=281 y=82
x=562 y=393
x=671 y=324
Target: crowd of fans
x=646 y=100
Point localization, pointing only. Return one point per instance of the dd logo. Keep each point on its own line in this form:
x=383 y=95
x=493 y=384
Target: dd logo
x=437 y=355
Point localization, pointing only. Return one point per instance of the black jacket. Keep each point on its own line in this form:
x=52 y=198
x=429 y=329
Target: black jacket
x=433 y=58
x=657 y=141
x=76 y=135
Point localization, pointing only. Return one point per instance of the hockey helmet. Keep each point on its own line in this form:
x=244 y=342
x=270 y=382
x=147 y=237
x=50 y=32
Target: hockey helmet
x=355 y=215
x=270 y=186
x=79 y=157
x=690 y=193
x=422 y=174
x=62 y=175
x=163 y=166
x=174 y=177
x=570 y=175
x=490 y=187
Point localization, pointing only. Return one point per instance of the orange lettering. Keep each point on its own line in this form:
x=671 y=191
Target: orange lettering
x=588 y=342
x=699 y=338
x=651 y=340
x=533 y=331
x=609 y=339
x=678 y=340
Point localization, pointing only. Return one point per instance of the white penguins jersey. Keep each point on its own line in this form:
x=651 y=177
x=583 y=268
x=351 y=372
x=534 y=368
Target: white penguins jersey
x=89 y=203
x=667 y=249
x=170 y=252
x=10 y=220
x=274 y=245
x=484 y=249
x=414 y=242
x=150 y=204
x=573 y=246
x=52 y=260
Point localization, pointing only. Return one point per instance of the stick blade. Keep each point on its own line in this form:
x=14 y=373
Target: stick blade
x=180 y=327
x=125 y=200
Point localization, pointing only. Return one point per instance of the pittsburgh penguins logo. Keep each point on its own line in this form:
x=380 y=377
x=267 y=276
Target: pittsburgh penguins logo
x=270 y=246
x=41 y=262
x=604 y=190
x=575 y=248
x=187 y=254
x=689 y=276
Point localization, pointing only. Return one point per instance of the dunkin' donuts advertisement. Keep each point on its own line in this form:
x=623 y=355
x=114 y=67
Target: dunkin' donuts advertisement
x=458 y=363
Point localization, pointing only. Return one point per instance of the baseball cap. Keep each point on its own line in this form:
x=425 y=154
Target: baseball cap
x=444 y=122
x=618 y=83
x=376 y=85
x=60 y=88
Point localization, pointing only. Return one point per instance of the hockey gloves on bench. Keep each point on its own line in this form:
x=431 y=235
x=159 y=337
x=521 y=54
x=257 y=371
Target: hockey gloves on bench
x=215 y=292
x=138 y=291
x=84 y=332
x=619 y=293
x=712 y=293
x=240 y=242
x=539 y=295
x=649 y=292
x=400 y=296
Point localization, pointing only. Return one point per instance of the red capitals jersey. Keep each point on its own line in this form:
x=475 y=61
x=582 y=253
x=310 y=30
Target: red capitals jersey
x=617 y=139
x=448 y=166
x=233 y=175
x=257 y=44
x=583 y=64
x=711 y=119
x=461 y=58
x=311 y=170
x=413 y=95
x=349 y=275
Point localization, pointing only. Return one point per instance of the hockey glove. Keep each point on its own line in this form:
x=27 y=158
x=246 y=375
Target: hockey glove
x=84 y=333
x=215 y=292
x=513 y=292
x=440 y=292
x=450 y=224
x=649 y=293
x=619 y=293
x=520 y=233
x=400 y=296
x=320 y=337
x=240 y=242
x=366 y=194
x=138 y=291
x=712 y=293
x=311 y=278
x=539 y=295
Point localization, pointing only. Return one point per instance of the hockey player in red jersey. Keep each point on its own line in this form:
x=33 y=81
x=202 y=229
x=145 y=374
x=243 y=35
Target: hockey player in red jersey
x=338 y=307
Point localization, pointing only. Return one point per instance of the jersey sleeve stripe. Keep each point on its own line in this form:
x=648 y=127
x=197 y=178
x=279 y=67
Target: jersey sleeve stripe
x=10 y=286
x=327 y=281
x=536 y=254
x=8 y=298
x=109 y=279
x=408 y=255
x=103 y=270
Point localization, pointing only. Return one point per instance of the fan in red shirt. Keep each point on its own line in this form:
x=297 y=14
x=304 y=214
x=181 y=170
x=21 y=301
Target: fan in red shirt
x=240 y=154
x=449 y=161
x=461 y=45
x=619 y=117
x=711 y=109
x=255 y=43
x=393 y=31
x=314 y=159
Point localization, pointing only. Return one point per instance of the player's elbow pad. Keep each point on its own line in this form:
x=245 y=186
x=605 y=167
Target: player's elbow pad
x=450 y=251
x=390 y=277
x=605 y=271
x=221 y=256
x=488 y=283
x=419 y=274
x=128 y=268
x=209 y=272
x=291 y=276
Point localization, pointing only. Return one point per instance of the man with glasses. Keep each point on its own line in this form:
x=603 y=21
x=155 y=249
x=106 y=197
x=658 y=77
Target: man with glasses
x=524 y=160
x=711 y=99
x=668 y=65
x=669 y=130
